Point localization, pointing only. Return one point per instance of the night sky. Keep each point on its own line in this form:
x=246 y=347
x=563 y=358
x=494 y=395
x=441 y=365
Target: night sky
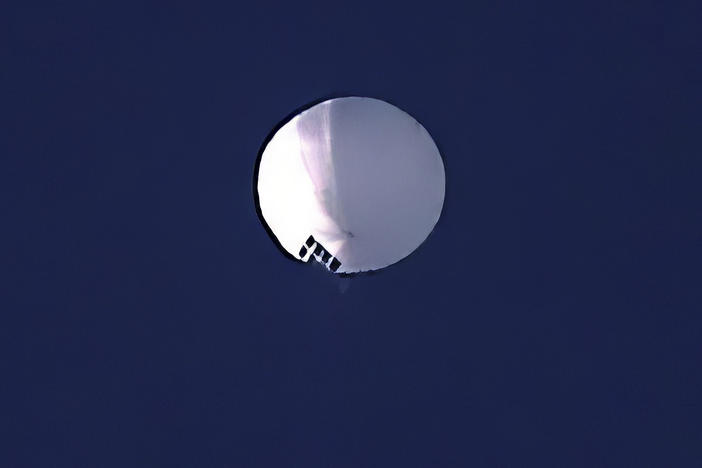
x=553 y=317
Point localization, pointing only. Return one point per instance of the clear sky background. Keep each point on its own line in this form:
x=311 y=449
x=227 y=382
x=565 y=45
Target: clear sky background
x=553 y=318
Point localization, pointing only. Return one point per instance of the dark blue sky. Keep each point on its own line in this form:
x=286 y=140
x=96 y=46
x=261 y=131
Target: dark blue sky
x=553 y=318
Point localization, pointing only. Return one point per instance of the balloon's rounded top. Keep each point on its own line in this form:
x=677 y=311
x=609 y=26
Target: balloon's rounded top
x=354 y=182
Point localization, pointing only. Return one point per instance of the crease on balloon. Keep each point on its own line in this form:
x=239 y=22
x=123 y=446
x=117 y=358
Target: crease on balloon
x=315 y=143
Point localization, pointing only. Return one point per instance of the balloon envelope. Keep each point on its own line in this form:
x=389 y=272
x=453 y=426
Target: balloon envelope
x=355 y=182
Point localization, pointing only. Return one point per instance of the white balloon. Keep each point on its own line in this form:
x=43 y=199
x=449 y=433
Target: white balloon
x=355 y=182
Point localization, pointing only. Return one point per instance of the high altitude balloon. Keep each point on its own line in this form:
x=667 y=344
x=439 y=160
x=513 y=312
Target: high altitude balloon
x=354 y=182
